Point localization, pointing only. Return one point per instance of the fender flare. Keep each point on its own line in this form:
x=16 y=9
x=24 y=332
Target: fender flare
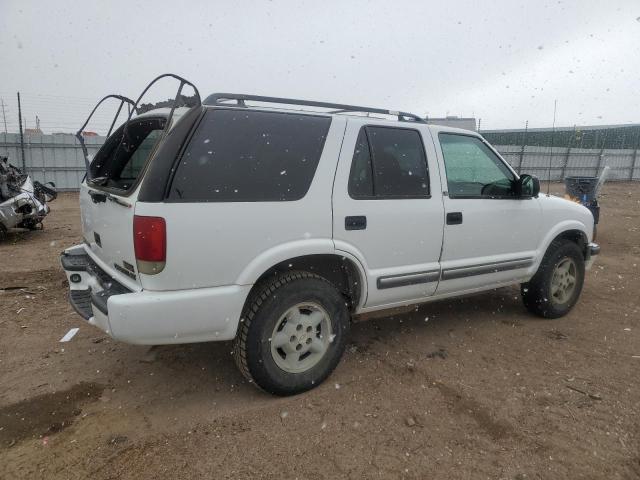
x=295 y=249
x=553 y=233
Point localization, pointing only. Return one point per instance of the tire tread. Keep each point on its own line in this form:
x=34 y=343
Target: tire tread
x=251 y=309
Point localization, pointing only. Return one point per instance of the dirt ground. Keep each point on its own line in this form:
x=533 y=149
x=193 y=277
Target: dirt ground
x=466 y=388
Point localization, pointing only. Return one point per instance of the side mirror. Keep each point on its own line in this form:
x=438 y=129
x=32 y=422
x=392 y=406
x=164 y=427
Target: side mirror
x=528 y=186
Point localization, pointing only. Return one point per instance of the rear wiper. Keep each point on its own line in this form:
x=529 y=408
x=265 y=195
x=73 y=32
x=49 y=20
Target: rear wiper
x=100 y=181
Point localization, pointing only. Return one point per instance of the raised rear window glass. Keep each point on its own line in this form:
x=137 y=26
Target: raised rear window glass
x=389 y=162
x=249 y=156
x=123 y=156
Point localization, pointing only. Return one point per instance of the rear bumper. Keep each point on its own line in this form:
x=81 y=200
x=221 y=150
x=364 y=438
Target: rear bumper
x=151 y=317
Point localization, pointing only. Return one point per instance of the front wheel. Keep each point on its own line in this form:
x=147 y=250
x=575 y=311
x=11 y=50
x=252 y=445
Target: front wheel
x=292 y=333
x=556 y=286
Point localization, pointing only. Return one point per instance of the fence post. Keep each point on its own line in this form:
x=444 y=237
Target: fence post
x=524 y=142
x=604 y=139
x=635 y=155
x=566 y=162
x=599 y=162
x=566 y=159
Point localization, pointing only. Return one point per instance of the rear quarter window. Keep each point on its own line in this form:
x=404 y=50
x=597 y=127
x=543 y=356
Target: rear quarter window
x=249 y=156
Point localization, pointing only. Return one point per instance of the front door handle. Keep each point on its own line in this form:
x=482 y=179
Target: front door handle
x=355 y=223
x=454 y=218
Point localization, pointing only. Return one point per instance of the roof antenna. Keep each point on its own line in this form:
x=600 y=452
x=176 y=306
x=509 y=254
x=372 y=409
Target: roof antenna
x=553 y=131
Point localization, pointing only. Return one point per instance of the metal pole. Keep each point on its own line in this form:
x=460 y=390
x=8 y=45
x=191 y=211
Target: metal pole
x=566 y=158
x=553 y=131
x=635 y=156
x=604 y=139
x=24 y=163
x=4 y=117
x=524 y=142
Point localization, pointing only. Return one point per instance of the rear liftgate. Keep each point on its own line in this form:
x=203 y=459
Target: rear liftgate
x=118 y=238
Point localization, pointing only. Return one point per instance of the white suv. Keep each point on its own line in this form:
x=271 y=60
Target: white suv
x=272 y=226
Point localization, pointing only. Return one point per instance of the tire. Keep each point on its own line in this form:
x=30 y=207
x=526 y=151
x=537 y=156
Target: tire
x=3 y=232
x=276 y=346
x=541 y=294
x=30 y=224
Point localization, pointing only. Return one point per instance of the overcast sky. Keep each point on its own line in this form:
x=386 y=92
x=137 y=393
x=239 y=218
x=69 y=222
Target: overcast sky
x=504 y=62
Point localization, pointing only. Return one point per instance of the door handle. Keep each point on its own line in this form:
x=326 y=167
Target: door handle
x=454 y=218
x=355 y=223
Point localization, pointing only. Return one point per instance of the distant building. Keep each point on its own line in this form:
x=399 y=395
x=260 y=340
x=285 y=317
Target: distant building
x=590 y=136
x=89 y=134
x=467 y=123
x=32 y=131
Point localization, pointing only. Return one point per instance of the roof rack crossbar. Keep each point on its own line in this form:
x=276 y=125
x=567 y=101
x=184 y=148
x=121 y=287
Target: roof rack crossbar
x=219 y=98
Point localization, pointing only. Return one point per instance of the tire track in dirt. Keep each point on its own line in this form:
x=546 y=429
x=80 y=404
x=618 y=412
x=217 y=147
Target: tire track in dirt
x=48 y=413
x=456 y=401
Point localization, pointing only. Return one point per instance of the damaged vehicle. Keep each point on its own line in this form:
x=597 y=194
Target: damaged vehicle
x=23 y=202
x=272 y=221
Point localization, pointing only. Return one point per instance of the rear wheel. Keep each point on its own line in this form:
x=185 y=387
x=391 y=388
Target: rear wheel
x=292 y=334
x=556 y=286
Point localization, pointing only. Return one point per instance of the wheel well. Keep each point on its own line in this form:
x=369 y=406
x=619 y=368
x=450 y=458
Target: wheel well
x=576 y=236
x=340 y=271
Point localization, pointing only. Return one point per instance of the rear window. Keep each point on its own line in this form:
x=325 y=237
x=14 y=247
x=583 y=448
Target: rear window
x=389 y=163
x=119 y=162
x=248 y=156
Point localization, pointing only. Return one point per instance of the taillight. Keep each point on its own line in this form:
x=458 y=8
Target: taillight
x=150 y=243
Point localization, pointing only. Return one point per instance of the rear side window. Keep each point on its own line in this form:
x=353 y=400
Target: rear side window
x=249 y=156
x=389 y=163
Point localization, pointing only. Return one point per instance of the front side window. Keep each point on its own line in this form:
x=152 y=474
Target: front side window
x=473 y=170
x=249 y=156
x=389 y=163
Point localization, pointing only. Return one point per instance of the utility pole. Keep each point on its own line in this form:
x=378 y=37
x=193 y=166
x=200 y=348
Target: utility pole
x=4 y=116
x=24 y=162
x=553 y=131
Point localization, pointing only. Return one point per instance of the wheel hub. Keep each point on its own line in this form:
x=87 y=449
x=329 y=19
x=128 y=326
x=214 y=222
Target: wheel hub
x=563 y=281
x=301 y=337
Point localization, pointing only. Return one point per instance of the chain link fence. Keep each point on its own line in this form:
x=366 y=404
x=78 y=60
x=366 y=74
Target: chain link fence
x=557 y=163
x=58 y=158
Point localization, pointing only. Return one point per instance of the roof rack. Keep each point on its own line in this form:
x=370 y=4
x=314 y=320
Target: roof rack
x=219 y=98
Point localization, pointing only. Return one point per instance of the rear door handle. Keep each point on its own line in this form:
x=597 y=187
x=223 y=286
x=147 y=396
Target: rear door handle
x=454 y=218
x=355 y=223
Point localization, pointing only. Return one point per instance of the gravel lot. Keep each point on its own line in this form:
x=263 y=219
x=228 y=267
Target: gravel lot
x=466 y=388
